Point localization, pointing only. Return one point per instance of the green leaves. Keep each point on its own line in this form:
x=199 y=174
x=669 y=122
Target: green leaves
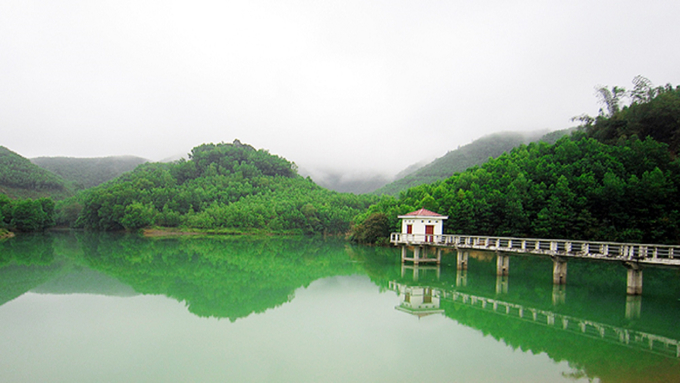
x=32 y=215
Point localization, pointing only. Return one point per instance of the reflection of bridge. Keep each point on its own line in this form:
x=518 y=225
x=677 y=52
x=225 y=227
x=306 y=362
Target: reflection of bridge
x=633 y=255
x=630 y=338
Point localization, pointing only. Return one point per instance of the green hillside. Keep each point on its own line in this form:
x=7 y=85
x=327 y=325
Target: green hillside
x=19 y=178
x=85 y=173
x=221 y=187
x=616 y=179
x=475 y=153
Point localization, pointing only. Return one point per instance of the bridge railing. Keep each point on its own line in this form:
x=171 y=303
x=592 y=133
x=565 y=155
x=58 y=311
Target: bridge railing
x=592 y=249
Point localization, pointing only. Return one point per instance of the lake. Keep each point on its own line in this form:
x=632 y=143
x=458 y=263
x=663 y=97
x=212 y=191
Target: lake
x=88 y=307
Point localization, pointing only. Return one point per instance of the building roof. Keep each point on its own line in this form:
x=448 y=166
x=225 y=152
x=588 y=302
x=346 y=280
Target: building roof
x=422 y=213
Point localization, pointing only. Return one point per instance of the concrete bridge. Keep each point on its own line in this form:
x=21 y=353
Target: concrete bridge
x=427 y=248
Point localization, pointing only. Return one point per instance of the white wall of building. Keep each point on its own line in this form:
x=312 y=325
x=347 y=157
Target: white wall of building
x=419 y=224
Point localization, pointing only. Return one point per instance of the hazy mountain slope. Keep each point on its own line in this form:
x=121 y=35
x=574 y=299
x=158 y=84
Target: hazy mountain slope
x=346 y=181
x=89 y=172
x=475 y=153
x=19 y=178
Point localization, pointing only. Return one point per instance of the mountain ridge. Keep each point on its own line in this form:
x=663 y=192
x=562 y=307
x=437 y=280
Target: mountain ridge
x=475 y=153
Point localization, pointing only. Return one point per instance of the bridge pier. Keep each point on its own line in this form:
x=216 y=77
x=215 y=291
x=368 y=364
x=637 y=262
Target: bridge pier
x=634 y=280
x=420 y=255
x=502 y=264
x=416 y=254
x=462 y=263
x=559 y=271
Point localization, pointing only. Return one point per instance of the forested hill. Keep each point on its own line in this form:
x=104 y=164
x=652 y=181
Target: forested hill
x=221 y=187
x=85 y=173
x=19 y=178
x=475 y=153
x=578 y=188
x=616 y=179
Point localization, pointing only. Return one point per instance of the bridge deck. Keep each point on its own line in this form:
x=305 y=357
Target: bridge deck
x=664 y=255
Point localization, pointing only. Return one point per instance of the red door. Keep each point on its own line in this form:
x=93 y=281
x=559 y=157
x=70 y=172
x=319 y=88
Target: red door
x=429 y=231
x=409 y=229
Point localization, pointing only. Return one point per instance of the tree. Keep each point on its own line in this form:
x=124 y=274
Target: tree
x=137 y=216
x=375 y=229
x=610 y=98
x=27 y=215
x=642 y=91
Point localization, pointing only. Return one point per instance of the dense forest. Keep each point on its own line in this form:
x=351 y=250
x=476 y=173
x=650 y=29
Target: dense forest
x=458 y=160
x=221 y=186
x=85 y=173
x=26 y=215
x=611 y=180
x=19 y=178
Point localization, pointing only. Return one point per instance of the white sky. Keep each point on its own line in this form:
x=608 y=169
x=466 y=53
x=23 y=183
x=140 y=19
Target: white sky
x=372 y=85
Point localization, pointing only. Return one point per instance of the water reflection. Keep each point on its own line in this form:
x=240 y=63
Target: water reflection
x=613 y=347
x=590 y=322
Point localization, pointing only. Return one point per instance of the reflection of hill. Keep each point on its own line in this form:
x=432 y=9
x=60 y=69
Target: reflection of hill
x=81 y=280
x=26 y=261
x=219 y=277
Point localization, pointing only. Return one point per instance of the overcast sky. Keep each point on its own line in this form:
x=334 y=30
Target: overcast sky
x=373 y=85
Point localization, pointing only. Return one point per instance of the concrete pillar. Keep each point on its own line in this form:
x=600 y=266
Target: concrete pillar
x=462 y=263
x=633 y=306
x=461 y=278
x=416 y=255
x=559 y=271
x=439 y=256
x=502 y=264
x=634 y=285
x=502 y=284
x=403 y=254
x=559 y=294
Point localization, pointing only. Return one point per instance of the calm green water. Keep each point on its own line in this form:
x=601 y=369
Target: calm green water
x=114 y=308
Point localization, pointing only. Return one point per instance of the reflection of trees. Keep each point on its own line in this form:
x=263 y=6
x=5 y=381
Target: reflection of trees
x=610 y=362
x=595 y=292
x=27 y=249
x=219 y=277
x=26 y=261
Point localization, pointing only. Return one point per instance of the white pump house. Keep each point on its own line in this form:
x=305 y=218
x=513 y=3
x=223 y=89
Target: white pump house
x=421 y=228
x=422 y=224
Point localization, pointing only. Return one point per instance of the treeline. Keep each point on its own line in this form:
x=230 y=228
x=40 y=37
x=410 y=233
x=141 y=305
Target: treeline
x=654 y=112
x=221 y=186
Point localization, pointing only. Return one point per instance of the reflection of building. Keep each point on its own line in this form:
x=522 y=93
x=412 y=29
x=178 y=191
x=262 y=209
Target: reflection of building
x=417 y=300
